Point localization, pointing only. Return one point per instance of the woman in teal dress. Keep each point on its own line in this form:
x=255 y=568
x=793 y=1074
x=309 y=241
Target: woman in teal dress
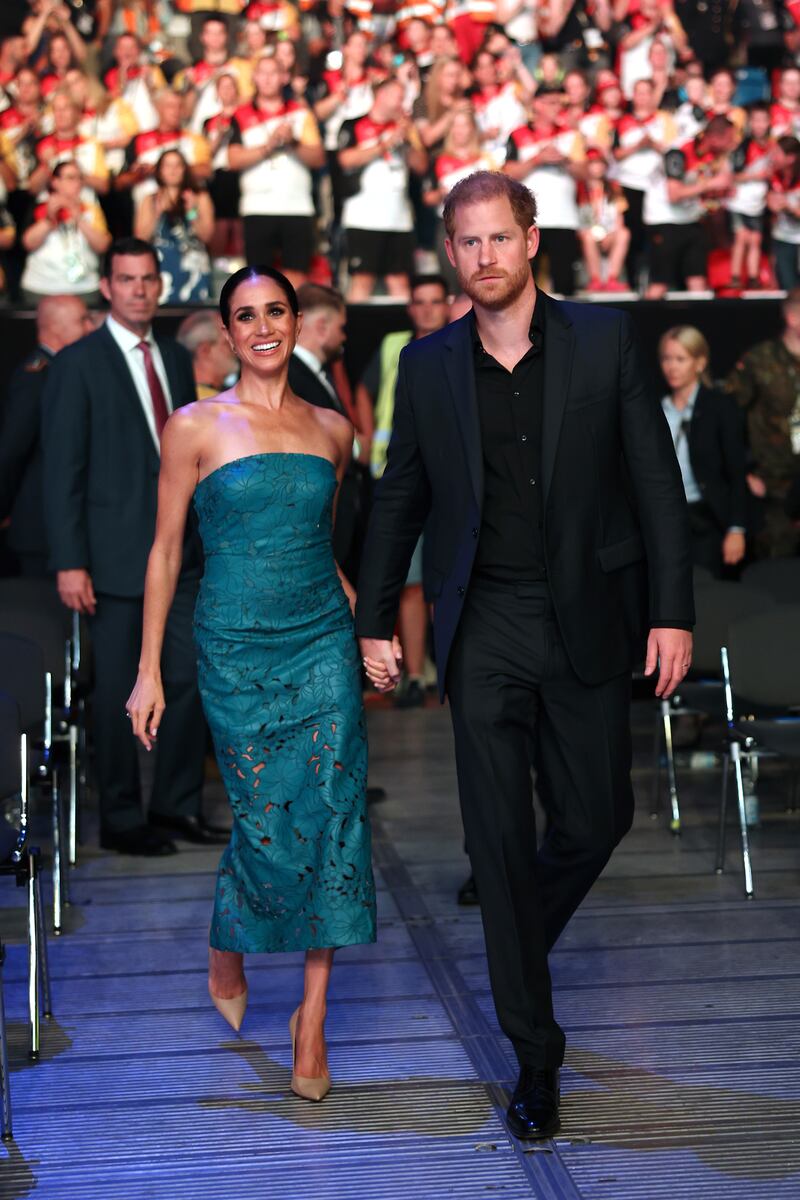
x=277 y=659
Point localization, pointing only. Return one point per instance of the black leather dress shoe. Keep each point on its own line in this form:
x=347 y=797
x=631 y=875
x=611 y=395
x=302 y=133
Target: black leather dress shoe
x=533 y=1111
x=192 y=829
x=143 y=840
x=468 y=893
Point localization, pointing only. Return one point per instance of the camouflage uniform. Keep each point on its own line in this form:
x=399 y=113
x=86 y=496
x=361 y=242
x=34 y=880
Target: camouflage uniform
x=766 y=383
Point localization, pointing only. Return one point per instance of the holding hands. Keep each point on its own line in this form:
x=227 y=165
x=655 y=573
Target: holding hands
x=382 y=660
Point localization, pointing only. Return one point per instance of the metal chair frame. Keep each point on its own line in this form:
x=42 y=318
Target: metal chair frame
x=667 y=710
x=46 y=776
x=23 y=865
x=67 y=736
x=739 y=751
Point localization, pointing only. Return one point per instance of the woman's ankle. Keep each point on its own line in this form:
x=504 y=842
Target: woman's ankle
x=225 y=972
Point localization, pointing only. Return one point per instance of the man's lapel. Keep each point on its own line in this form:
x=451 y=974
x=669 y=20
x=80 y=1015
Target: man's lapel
x=460 y=369
x=123 y=379
x=558 y=352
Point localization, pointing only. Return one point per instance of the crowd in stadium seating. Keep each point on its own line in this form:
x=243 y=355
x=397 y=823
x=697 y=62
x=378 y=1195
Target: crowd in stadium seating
x=659 y=136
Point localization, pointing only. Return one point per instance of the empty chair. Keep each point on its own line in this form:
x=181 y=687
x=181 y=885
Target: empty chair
x=717 y=604
x=761 y=668
x=778 y=576
x=23 y=676
x=20 y=860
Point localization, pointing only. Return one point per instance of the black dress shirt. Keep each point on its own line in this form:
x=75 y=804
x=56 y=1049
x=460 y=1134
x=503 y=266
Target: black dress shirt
x=510 y=405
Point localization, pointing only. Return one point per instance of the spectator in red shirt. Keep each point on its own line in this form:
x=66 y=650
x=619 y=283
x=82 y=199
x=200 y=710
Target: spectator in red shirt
x=65 y=142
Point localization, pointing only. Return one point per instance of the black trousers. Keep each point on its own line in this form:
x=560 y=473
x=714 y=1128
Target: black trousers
x=560 y=246
x=116 y=631
x=513 y=697
x=638 y=231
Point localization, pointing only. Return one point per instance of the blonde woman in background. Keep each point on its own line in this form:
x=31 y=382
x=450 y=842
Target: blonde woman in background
x=442 y=95
x=108 y=119
x=708 y=435
x=462 y=154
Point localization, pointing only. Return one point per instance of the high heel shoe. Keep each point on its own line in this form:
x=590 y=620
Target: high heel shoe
x=232 y=1010
x=307 y=1089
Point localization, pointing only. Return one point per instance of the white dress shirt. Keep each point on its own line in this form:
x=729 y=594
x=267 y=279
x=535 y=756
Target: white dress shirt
x=128 y=343
x=679 y=420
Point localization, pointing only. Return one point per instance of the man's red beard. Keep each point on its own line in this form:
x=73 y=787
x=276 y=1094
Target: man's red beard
x=502 y=291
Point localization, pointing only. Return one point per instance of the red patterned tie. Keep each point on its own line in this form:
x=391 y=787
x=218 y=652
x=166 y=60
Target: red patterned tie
x=160 y=410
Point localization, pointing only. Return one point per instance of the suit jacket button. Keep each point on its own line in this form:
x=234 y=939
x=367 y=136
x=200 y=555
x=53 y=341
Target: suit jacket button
x=474 y=533
x=460 y=590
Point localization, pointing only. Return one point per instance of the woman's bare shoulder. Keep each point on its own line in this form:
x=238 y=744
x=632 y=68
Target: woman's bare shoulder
x=201 y=413
x=334 y=424
x=194 y=422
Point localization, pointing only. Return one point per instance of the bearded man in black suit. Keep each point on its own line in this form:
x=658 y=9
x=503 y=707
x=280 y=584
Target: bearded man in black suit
x=528 y=446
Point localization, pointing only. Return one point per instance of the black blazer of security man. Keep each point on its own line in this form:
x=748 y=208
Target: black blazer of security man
x=614 y=526
x=717 y=455
x=101 y=470
x=350 y=503
x=21 y=463
x=101 y=485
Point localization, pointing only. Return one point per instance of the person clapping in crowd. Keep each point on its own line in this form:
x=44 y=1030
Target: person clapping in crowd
x=275 y=144
x=65 y=240
x=752 y=165
x=376 y=154
x=178 y=219
x=461 y=155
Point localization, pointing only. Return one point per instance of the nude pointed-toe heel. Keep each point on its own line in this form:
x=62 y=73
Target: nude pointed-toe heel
x=232 y=1010
x=308 y=1089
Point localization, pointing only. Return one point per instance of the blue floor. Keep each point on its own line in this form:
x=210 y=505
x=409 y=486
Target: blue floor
x=680 y=1000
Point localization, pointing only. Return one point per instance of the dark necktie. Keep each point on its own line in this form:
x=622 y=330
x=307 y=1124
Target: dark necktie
x=159 y=400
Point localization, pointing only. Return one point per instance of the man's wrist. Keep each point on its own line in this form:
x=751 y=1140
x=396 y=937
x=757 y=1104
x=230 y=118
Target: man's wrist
x=688 y=626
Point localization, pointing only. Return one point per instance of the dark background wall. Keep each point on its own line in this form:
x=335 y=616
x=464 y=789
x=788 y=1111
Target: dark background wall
x=731 y=327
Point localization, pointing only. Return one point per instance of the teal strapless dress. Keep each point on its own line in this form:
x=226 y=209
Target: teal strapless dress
x=280 y=680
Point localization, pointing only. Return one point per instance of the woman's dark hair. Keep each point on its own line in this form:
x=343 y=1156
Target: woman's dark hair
x=59 y=168
x=178 y=210
x=187 y=174
x=254 y=272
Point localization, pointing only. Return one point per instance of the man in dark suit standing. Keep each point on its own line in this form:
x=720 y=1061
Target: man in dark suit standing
x=106 y=402
x=60 y=321
x=319 y=344
x=556 y=546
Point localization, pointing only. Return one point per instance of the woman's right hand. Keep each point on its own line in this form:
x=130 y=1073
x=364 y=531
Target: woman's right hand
x=145 y=707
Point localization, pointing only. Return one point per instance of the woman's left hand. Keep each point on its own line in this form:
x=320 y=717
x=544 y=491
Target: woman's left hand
x=733 y=547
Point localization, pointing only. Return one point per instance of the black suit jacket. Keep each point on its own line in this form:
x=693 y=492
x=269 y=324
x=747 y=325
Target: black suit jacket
x=21 y=456
x=101 y=466
x=306 y=384
x=717 y=455
x=615 y=523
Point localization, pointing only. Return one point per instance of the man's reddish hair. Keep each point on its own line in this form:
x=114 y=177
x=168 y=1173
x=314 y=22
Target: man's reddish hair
x=490 y=185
